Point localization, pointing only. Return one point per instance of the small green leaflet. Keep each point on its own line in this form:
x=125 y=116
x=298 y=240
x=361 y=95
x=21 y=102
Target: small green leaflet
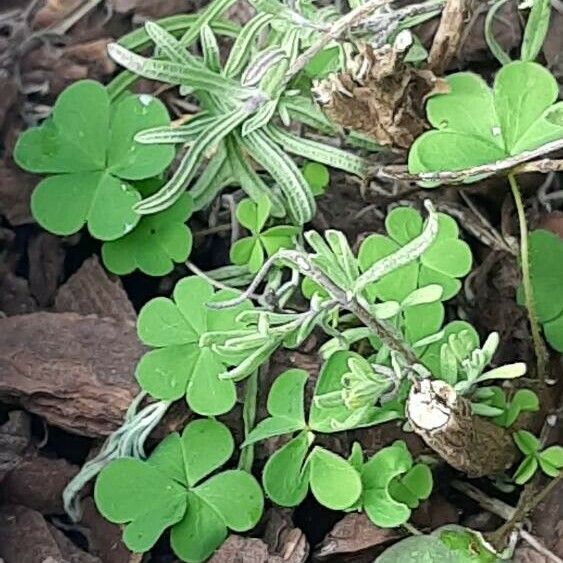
x=251 y=250
x=550 y=460
x=536 y=29
x=285 y=406
x=179 y=365
x=156 y=243
x=476 y=125
x=290 y=472
x=173 y=489
x=546 y=273
x=493 y=402
x=318 y=176
x=88 y=148
x=389 y=476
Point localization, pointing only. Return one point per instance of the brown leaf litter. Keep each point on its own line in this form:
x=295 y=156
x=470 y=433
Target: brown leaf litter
x=380 y=96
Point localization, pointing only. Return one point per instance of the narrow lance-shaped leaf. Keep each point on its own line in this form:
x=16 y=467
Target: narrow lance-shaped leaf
x=210 y=49
x=170 y=46
x=263 y=62
x=171 y=135
x=240 y=51
x=492 y=42
x=197 y=77
x=216 y=176
x=172 y=190
x=405 y=255
x=249 y=181
x=300 y=200
x=536 y=29
x=207 y=16
x=318 y=152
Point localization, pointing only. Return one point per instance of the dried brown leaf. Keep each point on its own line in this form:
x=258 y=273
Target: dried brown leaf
x=353 y=534
x=380 y=96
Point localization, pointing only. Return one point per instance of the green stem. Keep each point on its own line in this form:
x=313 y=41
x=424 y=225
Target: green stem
x=249 y=420
x=526 y=280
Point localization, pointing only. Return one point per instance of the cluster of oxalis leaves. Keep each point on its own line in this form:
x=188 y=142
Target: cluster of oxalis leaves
x=106 y=153
x=198 y=344
x=97 y=172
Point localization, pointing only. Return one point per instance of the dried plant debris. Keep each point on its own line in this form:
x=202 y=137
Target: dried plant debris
x=353 y=534
x=380 y=96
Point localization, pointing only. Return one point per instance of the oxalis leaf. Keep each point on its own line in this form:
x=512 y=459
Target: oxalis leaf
x=546 y=272
x=156 y=243
x=476 y=125
x=179 y=365
x=169 y=490
x=378 y=475
x=252 y=250
x=290 y=471
x=88 y=147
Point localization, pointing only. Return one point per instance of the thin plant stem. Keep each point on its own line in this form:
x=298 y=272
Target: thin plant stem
x=526 y=280
x=246 y=458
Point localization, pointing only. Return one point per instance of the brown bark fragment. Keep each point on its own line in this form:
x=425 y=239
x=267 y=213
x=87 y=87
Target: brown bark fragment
x=380 y=96
x=15 y=437
x=46 y=265
x=448 y=36
x=469 y=443
x=75 y=371
x=91 y=291
x=38 y=483
x=354 y=533
x=25 y=537
x=104 y=538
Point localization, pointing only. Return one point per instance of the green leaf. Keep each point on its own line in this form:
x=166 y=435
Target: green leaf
x=527 y=443
x=285 y=406
x=235 y=496
x=403 y=224
x=155 y=244
x=414 y=486
x=377 y=473
x=523 y=91
x=180 y=365
x=553 y=331
x=475 y=125
x=431 y=357
x=132 y=492
x=206 y=444
x=536 y=29
x=278 y=237
x=317 y=175
x=284 y=478
x=526 y=470
x=89 y=146
x=493 y=44
x=523 y=400
x=297 y=194
x=553 y=455
x=287 y=395
x=546 y=272
x=334 y=482
x=199 y=533
x=422 y=549
x=253 y=215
